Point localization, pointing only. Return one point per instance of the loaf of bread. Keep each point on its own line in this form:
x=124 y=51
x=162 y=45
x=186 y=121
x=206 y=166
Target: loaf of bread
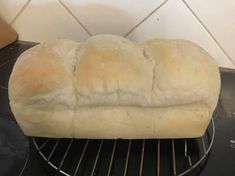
x=109 y=87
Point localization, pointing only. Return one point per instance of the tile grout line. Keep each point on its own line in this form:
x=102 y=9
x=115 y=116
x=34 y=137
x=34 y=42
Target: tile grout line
x=20 y=12
x=207 y=30
x=76 y=19
x=145 y=18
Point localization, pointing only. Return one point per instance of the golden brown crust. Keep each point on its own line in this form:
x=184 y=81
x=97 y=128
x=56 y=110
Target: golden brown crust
x=38 y=74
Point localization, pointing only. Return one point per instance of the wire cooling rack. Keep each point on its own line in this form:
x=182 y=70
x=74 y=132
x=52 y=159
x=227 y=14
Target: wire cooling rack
x=72 y=157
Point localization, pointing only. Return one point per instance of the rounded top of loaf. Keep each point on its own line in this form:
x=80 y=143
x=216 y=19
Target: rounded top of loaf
x=41 y=69
x=112 y=70
x=108 y=70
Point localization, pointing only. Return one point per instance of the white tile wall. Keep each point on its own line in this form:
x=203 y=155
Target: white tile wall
x=45 y=20
x=10 y=8
x=219 y=19
x=210 y=23
x=180 y=23
x=111 y=16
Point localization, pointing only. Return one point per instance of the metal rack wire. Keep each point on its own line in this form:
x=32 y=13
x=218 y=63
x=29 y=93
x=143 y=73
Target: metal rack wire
x=72 y=157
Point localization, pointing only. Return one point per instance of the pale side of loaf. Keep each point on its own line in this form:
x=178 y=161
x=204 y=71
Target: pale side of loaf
x=110 y=87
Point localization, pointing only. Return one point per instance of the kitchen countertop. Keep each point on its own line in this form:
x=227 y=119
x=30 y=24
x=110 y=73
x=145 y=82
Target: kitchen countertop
x=225 y=122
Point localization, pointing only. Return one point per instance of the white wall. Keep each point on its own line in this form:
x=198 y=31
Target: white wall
x=209 y=23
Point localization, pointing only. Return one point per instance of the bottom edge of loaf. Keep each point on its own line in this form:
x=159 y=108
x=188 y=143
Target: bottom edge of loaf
x=186 y=121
